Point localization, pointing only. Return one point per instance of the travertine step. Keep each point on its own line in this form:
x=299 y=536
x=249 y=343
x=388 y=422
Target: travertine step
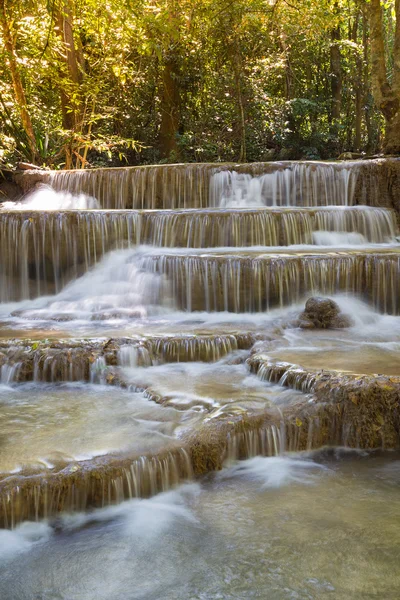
x=255 y=282
x=290 y=183
x=42 y=251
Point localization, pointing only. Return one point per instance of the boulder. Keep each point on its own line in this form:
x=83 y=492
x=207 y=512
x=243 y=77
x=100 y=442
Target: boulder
x=23 y=166
x=350 y=156
x=322 y=313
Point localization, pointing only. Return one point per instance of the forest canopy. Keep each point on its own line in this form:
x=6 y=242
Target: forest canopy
x=112 y=82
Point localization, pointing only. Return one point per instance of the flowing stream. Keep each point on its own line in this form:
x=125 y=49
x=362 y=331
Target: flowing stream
x=281 y=528
x=162 y=412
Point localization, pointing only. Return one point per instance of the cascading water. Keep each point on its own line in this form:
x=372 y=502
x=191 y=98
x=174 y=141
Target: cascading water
x=118 y=287
x=43 y=251
x=45 y=198
x=301 y=184
x=238 y=533
x=173 y=275
x=185 y=186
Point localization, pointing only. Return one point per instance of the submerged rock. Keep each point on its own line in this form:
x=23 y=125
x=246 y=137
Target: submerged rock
x=322 y=313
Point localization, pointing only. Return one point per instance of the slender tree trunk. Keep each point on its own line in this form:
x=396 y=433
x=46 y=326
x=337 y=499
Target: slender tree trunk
x=359 y=111
x=366 y=80
x=69 y=93
x=336 y=69
x=16 y=80
x=237 y=69
x=288 y=69
x=170 y=107
x=358 y=88
x=386 y=95
x=170 y=94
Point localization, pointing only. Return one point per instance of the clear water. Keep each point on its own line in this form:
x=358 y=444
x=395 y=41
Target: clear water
x=316 y=350
x=45 y=426
x=294 y=527
x=224 y=387
x=289 y=527
x=370 y=346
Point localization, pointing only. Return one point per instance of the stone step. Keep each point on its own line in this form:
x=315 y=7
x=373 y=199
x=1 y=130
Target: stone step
x=203 y=185
x=255 y=282
x=359 y=412
x=132 y=284
x=42 y=251
x=68 y=360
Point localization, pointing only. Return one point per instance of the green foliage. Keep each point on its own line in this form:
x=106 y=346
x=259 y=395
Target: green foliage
x=253 y=73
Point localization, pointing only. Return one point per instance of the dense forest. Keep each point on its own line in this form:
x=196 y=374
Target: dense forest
x=111 y=82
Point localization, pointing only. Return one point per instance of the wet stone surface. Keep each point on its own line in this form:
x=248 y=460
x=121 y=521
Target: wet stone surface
x=323 y=313
x=155 y=372
x=240 y=534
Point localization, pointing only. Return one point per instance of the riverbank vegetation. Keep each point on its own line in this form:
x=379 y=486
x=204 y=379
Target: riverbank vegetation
x=88 y=83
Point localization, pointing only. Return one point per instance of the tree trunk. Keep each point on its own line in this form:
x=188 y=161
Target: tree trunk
x=358 y=88
x=386 y=95
x=69 y=93
x=359 y=110
x=336 y=70
x=288 y=68
x=170 y=94
x=237 y=69
x=170 y=108
x=16 y=80
x=366 y=81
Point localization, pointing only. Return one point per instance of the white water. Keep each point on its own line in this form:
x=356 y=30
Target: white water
x=23 y=539
x=300 y=184
x=125 y=285
x=118 y=296
x=128 y=356
x=115 y=289
x=225 y=537
x=338 y=238
x=246 y=530
x=370 y=346
x=275 y=472
x=224 y=387
x=45 y=198
x=144 y=520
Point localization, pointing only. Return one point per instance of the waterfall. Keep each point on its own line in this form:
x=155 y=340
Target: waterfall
x=204 y=185
x=134 y=285
x=46 y=198
x=255 y=284
x=194 y=264
x=42 y=251
x=265 y=441
x=101 y=486
x=169 y=186
x=301 y=184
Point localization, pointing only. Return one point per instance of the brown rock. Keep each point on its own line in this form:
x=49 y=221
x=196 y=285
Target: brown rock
x=322 y=313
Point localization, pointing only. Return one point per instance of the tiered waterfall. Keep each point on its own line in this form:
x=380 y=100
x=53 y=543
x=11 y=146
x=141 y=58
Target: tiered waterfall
x=148 y=267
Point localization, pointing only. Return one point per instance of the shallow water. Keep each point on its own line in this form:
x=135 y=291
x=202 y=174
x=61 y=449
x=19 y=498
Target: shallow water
x=370 y=346
x=48 y=426
x=317 y=352
x=44 y=426
x=287 y=527
x=280 y=528
x=223 y=387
